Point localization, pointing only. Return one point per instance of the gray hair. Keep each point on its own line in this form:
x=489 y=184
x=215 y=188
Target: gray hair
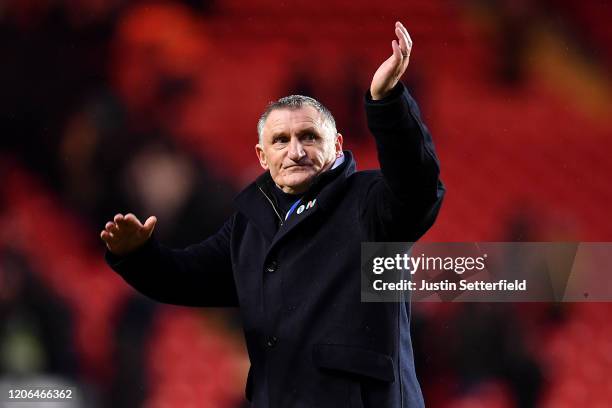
x=295 y=102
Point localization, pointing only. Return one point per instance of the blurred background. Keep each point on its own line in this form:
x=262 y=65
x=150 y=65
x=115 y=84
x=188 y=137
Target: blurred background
x=150 y=107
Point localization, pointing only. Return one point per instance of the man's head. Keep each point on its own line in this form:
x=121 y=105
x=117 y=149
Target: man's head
x=297 y=141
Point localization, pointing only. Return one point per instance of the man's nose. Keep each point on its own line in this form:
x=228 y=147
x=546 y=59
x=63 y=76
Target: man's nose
x=296 y=150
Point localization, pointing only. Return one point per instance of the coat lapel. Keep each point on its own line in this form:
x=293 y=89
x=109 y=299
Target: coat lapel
x=252 y=203
x=326 y=190
x=296 y=218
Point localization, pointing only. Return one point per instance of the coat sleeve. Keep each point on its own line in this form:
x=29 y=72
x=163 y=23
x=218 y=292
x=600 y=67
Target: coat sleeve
x=401 y=204
x=199 y=275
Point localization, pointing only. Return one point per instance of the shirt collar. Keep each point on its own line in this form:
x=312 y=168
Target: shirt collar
x=338 y=162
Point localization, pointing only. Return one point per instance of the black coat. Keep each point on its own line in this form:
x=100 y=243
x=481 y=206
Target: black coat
x=311 y=341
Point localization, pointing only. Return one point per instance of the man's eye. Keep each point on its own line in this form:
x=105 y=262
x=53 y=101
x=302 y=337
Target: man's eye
x=310 y=136
x=279 y=140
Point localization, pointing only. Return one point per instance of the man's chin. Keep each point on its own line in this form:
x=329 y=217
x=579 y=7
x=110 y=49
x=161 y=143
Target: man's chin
x=298 y=184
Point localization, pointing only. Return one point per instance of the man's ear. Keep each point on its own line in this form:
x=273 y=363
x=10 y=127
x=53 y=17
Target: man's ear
x=338 y=145
x=261 y=155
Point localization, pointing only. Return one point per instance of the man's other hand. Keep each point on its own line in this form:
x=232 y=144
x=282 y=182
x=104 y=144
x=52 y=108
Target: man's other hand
x=125 y=233
x=389 y=73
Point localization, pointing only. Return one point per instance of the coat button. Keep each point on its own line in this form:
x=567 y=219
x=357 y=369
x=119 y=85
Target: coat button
x=271 y=341
x=272 y=266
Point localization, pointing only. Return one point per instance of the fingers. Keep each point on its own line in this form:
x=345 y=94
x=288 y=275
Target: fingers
x=114 y=226
x=131 y=219
x=405 y=33
x=120 y=223
x=397 y=52
x=111 y=227
x=405 y=41
x=109 y=231
x=106 y=236
x=150 y=224
x=128 y=222
x=109 y=238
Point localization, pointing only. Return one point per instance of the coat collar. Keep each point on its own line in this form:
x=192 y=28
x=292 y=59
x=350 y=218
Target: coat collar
x=256 y=200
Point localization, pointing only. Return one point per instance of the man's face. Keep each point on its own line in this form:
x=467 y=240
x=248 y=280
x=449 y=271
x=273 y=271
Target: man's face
x=296 y=146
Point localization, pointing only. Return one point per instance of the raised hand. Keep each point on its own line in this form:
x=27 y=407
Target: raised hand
x=125 y=233
x=389 y=73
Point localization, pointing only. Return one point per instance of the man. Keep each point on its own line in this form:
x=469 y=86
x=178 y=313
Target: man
x=290 y=255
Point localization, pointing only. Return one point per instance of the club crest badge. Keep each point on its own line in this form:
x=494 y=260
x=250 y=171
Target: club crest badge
x=308 y=206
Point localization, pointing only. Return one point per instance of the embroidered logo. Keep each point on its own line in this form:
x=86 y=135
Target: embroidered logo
x=308 y=205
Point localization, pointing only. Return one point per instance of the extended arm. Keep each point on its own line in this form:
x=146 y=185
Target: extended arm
x=199 y=275
x=403 y=204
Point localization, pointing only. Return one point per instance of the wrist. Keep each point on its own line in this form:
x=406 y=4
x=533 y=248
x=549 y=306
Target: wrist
x=376 y=96
x=391 y=94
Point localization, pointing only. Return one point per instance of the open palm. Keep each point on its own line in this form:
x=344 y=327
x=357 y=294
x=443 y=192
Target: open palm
x=391 y=70
x=126 y=233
